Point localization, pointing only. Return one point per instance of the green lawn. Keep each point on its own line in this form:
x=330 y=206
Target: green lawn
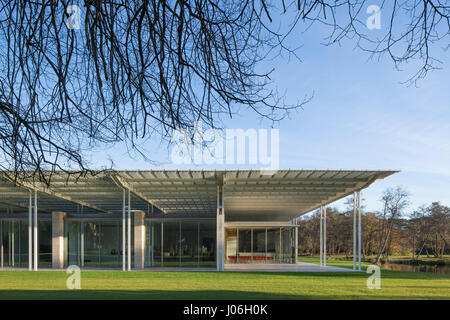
x=228 y=285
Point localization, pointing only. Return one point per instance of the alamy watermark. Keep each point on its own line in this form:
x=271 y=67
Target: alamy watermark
x=74 y=19
x=374 y=281
x=74 y=280
x=256 y=147
x=374 y=20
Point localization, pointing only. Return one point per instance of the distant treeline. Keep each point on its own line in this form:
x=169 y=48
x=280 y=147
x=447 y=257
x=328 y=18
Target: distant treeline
x=393 y=231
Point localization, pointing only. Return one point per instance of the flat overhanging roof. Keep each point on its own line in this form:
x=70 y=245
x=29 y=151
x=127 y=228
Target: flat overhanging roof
x=249 y=195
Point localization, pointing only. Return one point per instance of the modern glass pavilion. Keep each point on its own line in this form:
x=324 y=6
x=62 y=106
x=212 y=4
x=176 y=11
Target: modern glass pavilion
x=137 y=219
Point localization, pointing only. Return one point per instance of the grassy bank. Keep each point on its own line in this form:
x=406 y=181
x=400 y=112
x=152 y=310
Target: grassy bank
x=227 y=285
x=348 y=261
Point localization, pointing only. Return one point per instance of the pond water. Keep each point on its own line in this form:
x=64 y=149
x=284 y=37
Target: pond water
x=413 y=268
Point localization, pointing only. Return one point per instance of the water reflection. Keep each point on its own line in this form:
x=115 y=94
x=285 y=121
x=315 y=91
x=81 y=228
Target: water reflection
x=413 y=268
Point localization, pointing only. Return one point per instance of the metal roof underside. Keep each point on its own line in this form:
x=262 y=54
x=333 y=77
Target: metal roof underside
x=249 y=195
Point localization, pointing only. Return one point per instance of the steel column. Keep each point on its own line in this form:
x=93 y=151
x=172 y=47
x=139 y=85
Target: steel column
x=1 y=244
x=325 y=236
x=321 y=236
x=35 y=235
x=354 y=231
x=296 y=244
x=82 y=243
x=220 y=230
x=265 y=246
x=129 y=231
x=30 y=232
x=223 y=229
x=124 y=239
x=359 y=230
x=162 y=244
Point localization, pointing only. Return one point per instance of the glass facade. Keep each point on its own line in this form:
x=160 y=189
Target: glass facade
x=95 y=243
x=168 y=243
x=260 y=245
x=14 y=243
x=185 y=243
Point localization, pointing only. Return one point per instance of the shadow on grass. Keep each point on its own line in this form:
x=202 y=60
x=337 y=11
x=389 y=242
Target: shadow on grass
x=385 y=274
x=180 y=295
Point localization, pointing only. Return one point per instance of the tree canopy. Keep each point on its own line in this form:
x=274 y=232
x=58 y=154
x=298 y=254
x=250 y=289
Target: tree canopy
x=132 y=70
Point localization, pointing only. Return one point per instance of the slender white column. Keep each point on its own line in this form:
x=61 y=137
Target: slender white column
x=12 y=243
x=220 y=231
x=30 y=232
x=223 y=229
x=35 y=235
x=124 y=239
x=82 y=243
x=325 y=236
x=1 y=245
x=321 y=236
x=129 y=231
x=354 y=231
x=295 y=245
x=359 y=230
x=162 y=244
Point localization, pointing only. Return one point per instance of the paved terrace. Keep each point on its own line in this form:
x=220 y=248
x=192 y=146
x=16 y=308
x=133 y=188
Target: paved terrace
x=247 y=267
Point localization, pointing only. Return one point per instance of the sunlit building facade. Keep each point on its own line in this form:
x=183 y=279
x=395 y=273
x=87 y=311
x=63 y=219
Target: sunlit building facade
x=134 y=220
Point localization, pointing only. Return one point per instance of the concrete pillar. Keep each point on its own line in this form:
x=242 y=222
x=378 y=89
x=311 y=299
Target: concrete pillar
x=58 y=241
x=139 y=240
x=220 y=242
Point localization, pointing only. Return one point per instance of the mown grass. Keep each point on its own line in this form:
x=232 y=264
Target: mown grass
x=340 y=261
x=227 y=285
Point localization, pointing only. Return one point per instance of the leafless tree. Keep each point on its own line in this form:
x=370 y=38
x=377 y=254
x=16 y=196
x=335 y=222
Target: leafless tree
x=139 y=69
x=429 y=228
x=394 y=203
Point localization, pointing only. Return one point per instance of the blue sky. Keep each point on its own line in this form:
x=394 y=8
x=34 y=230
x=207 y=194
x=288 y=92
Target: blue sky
x=361 y=117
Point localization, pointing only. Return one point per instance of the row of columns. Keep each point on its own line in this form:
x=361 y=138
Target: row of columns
x=357 y=229
x=58 y=236
x=356 y=232
x=139 y=234
x=323 y=236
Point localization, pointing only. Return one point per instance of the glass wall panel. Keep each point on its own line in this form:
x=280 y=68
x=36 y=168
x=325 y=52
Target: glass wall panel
x=189 y=244
x=245 y=245
x=230 y=245
x=180 y=243
x=259 y=245
x=45 y=243
x=97 y=243
x=110 y=245
x=273 y=245
x=7 y=244
x=153 y=256
x=14 y=243
x=92 y=244
x=207 y=242
x=73 y=236
x=287 y=243
x=22 y=250
x=171 y=244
